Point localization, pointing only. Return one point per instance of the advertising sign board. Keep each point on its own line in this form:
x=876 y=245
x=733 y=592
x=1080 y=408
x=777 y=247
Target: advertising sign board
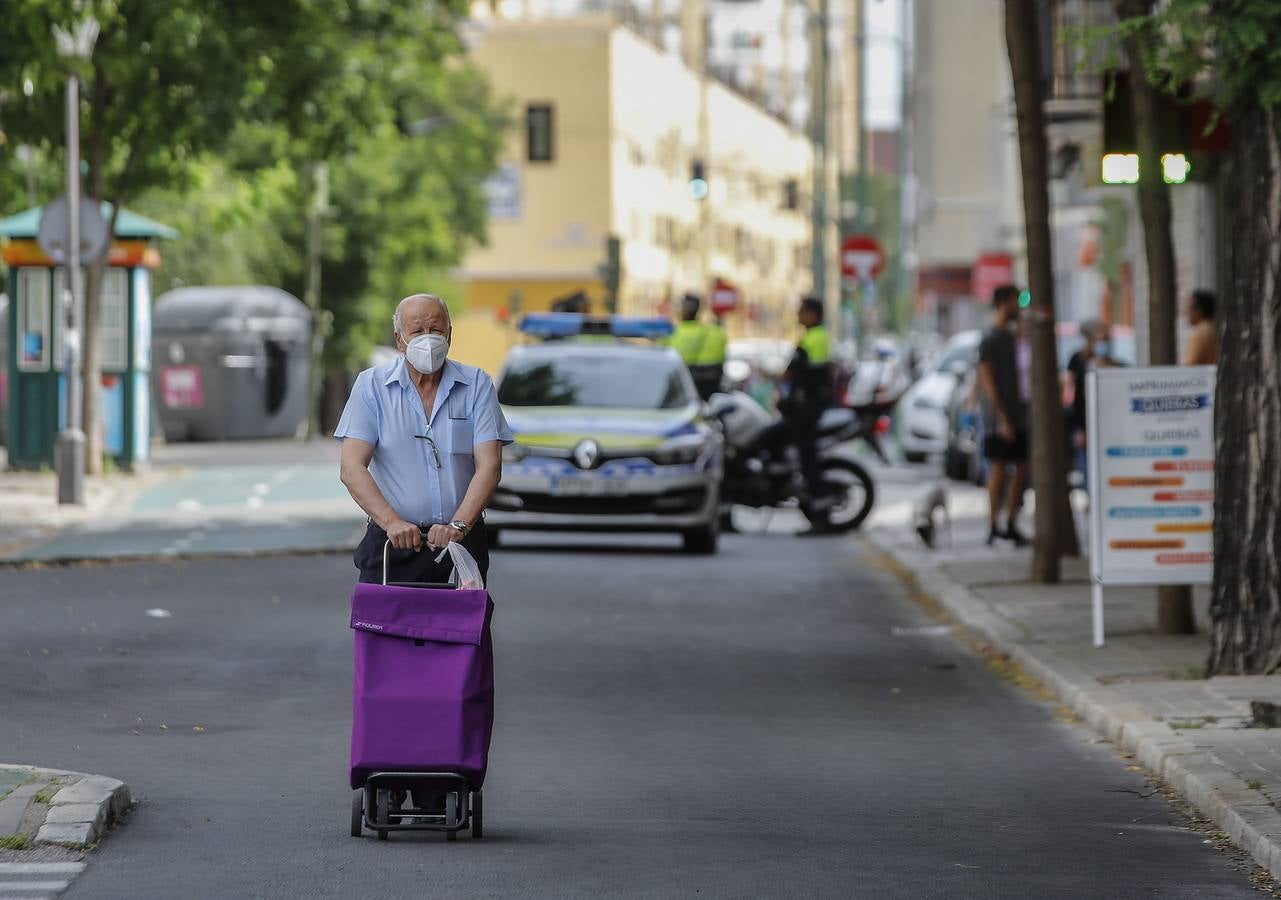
x=1151 y=475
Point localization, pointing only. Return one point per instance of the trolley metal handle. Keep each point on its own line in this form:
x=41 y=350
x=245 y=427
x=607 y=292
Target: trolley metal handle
x=453 y=583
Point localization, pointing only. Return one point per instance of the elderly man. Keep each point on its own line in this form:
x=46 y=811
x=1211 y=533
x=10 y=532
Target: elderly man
x=422 y=442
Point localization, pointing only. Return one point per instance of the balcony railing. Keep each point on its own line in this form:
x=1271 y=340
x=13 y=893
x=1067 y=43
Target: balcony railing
x=1073 y=69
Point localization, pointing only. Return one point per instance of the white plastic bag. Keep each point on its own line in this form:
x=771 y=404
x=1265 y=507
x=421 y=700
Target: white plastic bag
x=465 y=567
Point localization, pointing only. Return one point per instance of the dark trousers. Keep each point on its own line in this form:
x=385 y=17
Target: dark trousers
x=802 y=433
x=415 y=566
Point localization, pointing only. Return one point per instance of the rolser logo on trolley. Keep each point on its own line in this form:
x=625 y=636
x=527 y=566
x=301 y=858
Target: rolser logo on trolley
x=371 y=626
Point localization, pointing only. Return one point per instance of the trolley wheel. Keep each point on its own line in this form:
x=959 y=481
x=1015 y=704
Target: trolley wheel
x=357 y=812
x=478 y=815
x=451 y=815
x=384 y=798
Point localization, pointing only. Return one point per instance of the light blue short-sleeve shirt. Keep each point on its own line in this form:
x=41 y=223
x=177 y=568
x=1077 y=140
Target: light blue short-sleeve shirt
x=385 y=410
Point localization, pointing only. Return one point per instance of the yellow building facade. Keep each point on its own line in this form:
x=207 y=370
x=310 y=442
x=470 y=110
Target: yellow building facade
x=610 y=131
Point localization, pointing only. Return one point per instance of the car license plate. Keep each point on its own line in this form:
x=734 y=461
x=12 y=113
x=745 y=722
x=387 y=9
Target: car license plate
x=589 y=487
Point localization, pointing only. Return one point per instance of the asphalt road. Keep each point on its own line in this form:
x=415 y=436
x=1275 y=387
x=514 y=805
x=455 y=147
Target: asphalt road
x=746 y=726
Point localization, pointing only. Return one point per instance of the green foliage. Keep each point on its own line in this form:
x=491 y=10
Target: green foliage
x=208 y=115
x=1235 y=41
x=1227 y=46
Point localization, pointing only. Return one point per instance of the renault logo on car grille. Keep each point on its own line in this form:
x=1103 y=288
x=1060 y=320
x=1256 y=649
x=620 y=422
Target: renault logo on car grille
x=587 y=454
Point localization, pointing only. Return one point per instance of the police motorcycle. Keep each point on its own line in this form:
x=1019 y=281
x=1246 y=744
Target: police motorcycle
x=755 y=478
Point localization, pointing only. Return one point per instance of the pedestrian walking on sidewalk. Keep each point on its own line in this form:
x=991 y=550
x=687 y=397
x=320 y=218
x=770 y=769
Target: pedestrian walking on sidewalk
x=1005 y=412
x=422 y=442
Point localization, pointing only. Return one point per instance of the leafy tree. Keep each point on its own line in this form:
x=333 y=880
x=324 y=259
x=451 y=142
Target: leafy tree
x=1055 y=529
x=170 y=83
x=1229 y=49
x=1175 y=614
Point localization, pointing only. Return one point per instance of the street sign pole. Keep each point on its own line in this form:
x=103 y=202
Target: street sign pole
x=69 y=455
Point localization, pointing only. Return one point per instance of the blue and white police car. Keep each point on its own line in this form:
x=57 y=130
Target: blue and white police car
x=610 y=434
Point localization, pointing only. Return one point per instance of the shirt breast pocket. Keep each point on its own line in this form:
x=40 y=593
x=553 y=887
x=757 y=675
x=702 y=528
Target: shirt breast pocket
x=460 y=427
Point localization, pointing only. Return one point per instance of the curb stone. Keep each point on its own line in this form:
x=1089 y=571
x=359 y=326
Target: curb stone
x=81 y=810
x=1252 y=823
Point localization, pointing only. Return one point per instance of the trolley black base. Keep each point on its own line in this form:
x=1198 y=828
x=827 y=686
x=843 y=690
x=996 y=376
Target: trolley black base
x=373 y=805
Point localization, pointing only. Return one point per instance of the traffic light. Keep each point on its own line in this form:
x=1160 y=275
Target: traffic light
x=1025 y=299
x=611 y=272
x=698 y=188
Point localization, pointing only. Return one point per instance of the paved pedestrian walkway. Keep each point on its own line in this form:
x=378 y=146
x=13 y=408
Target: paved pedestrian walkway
x=193 y=499
x=49 y=819
x=1142 y=690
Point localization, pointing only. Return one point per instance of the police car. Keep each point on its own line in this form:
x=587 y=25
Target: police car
x=610 y=434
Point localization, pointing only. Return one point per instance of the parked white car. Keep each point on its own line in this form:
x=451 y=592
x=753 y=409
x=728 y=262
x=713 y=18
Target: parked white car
x=923 y=409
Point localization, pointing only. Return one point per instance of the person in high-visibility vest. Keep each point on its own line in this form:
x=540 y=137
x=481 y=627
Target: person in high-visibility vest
x=701 y=345
x=807 y=390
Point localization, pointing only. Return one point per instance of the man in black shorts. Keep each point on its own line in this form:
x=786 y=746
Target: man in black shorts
x=1006 y=414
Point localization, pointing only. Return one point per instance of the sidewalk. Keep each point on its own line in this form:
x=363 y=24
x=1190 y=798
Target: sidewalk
x=49 y=820
x=192 y=500
x=1143 y=691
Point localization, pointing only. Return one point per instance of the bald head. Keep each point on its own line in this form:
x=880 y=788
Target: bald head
x=421 y=306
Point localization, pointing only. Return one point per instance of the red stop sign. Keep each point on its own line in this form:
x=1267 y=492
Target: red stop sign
x=861 y=257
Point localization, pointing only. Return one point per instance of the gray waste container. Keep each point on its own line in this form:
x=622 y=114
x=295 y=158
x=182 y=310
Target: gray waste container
x=230 y=363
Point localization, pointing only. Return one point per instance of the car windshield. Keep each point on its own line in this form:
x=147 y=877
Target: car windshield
x=628 y=382
x=959 y=352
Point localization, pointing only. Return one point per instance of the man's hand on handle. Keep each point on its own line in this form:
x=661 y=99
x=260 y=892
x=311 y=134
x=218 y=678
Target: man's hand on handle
x=439 y=536
x=405 y=535
x=408 y=536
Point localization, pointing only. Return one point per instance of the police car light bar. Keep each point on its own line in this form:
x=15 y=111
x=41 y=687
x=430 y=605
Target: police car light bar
x=563 y=325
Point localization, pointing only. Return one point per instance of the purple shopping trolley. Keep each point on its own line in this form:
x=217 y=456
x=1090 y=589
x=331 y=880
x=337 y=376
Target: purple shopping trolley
x=423 y=706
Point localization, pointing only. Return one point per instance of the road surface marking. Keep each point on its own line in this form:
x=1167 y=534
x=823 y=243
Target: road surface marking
x=69 y=868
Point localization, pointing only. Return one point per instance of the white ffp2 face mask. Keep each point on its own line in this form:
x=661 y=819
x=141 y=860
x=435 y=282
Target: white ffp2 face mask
x=427 y=352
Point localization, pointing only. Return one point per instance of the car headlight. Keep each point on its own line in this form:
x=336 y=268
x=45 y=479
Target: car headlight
x=681 y=451
x=515 y=452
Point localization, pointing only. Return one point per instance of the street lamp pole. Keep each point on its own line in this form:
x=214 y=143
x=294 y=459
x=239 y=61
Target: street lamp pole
x=70 y=449
x=821 y=73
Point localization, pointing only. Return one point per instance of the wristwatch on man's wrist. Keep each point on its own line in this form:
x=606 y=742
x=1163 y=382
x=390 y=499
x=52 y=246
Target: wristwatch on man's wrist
x=461 y=526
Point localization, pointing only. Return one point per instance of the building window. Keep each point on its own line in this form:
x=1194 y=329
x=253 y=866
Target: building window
x=540 y=125
x=791 y=194
x=113 y=332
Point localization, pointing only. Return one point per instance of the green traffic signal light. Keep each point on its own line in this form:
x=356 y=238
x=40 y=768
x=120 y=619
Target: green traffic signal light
x=1025 y=299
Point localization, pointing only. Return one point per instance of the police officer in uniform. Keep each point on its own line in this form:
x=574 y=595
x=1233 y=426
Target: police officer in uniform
x=701 y=345
x=807 y=390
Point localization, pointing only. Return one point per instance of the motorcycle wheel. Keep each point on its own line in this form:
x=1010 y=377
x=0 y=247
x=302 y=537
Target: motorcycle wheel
x=855 y=492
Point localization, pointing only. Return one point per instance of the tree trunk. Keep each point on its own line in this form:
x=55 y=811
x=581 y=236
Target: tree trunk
x=1246 y=609
x=1175 y=613
x=1055 y=531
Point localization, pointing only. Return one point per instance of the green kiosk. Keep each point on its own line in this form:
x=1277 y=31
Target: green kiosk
x=35 y=363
